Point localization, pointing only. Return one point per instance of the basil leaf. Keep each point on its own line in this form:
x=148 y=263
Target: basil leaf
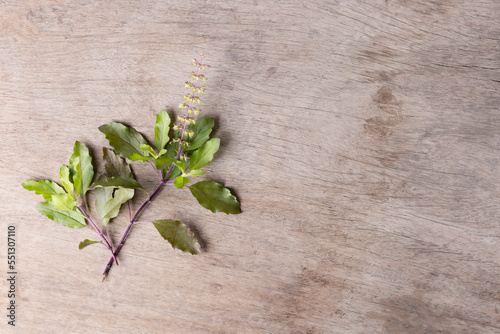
x=138 y=157
x=44 y=187
x=181 y=181
x=125 y=140
x=63 y=202
x=205 y=154
x=86 y=243
x=65 y=180
x=118 y=182
x=172 y=149
x=103 y=196
x=175 y=172
x=72 y=219
x=80 y=168
x=115 y=165
x=214 y=197
x=202 y=129
x=163 y=162
x=178 y=235
x=181 y=166
x=162 y=127
x=148 y=149
x=196 y=172
x=112 y=206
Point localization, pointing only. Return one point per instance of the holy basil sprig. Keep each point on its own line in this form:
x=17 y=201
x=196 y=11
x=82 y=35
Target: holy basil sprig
x=179 y=152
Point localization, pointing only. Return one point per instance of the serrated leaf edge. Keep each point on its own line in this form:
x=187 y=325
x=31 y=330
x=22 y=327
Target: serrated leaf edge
x=196 y=247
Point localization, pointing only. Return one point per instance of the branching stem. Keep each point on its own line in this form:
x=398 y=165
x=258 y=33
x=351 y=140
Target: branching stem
x=129 y=227
x=96 y=229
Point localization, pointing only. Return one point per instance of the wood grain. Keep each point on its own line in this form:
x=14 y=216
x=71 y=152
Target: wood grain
x=361 y=137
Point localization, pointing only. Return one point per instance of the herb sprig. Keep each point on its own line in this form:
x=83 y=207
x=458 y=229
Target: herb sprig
x=176 y=160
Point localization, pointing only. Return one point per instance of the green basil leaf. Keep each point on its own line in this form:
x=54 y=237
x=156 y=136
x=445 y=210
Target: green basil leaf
x=138 y=157
x=86 y=243
x=63 y=202
x=172 y=149
x=163 y=161
x=115 y=165
x=214 y=197
x=80 y=168
x=118 y=182
x=205 y=154
x=103 y=196
x=72 y=219
x=112 y=207
x=195 y=172
x=125 y=140
x=162 y=127
x=66 y=181
x=148 y=149
x=202 y=129
x=181 y=181
x=181 y=166
x=175 y=172
x=44 y=188
x=178 y=235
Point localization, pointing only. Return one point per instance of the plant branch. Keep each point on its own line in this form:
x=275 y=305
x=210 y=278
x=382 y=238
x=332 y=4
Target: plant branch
x=129 y=227
x=109 y=238
x=96 y=229
x=162 y=184
x=129 y=212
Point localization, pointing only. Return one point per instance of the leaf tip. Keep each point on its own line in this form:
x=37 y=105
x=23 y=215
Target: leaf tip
x=86 y=243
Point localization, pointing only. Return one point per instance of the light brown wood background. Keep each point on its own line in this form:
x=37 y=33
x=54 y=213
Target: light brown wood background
x=361 y=137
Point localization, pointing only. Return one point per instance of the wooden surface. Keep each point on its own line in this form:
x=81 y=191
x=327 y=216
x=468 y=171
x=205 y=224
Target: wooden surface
x=361 y=137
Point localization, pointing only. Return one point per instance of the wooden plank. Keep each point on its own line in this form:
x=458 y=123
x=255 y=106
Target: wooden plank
x=361 y=137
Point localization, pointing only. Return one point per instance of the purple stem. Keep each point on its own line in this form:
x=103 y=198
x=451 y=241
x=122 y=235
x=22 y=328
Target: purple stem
x=96 y=229
x=132 y=221
x=109 y=238
x=139 y=211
